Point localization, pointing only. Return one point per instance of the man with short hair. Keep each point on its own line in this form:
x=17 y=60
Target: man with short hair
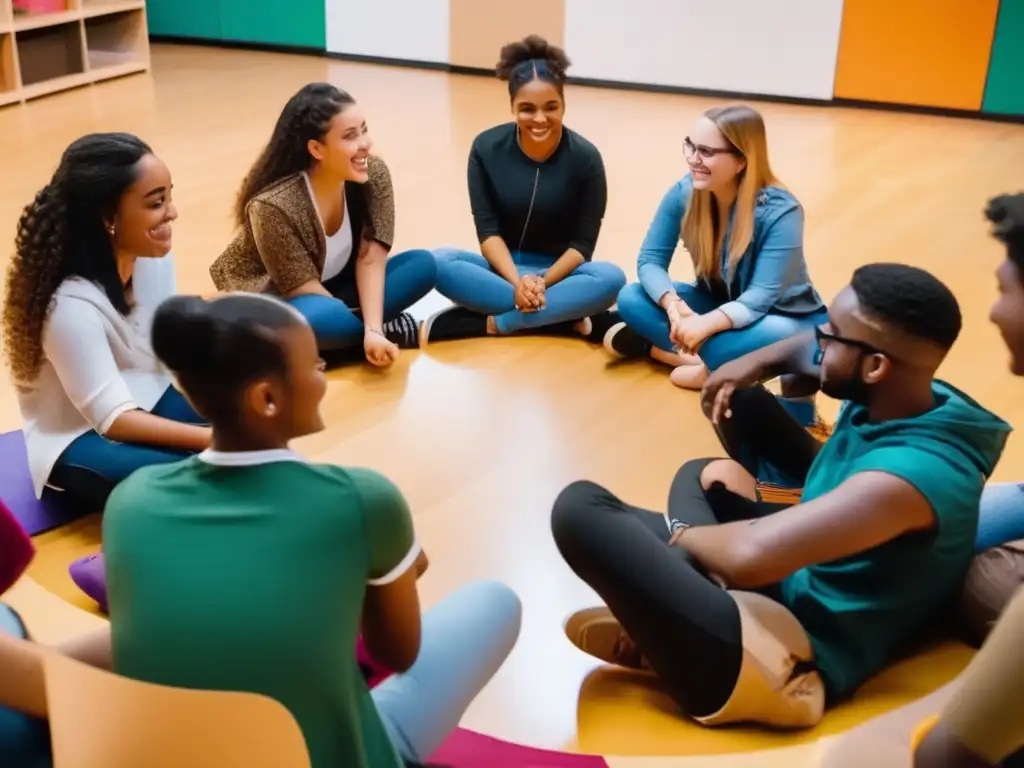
x=821 y=595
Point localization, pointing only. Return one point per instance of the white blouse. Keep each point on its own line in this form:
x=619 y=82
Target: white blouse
x=96 y=364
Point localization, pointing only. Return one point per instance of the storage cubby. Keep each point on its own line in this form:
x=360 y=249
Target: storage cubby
x=48 y=46
x=9 y=85
x=50 y=53
x=115 y=40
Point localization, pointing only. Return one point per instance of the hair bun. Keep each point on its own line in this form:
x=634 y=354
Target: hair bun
x=184 y=333
x=527 y=49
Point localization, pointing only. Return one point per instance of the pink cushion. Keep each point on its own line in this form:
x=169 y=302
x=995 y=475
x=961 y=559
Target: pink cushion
x=16 y=549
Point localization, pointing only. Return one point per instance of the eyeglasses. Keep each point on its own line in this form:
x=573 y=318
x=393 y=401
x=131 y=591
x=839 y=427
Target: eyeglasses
x=823 y=337
x=690 y=149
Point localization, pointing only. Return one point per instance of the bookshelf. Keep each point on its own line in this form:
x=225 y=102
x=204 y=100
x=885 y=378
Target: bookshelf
x=48 y=46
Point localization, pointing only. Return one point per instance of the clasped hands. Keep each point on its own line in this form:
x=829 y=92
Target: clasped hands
x=529 y=293
x=688 y=330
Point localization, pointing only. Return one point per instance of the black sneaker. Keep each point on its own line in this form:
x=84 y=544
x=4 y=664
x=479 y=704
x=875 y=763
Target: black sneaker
x=403 y=331
x=618 y=338
x=452 y=324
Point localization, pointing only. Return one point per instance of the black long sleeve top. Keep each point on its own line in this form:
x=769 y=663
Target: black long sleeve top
x=544 y=207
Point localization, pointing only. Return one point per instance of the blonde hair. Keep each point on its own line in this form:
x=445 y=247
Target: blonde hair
x=742 y=127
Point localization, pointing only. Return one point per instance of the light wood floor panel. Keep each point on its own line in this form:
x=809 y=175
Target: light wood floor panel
x=482 y=435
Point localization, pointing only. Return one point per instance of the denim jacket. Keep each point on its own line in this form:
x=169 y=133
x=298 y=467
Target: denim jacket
x=772 y=275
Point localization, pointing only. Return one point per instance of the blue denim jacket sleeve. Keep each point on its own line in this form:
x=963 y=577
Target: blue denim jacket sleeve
x=661 y=240
x=778 y=257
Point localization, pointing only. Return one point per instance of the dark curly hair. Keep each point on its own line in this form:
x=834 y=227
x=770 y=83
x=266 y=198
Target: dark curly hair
x=62 y=234
x=910 y=299
x=306 y=116
x=532 y=57
x=1006 y=213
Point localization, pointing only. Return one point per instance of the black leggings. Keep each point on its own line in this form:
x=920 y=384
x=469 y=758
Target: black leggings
x=686 y=627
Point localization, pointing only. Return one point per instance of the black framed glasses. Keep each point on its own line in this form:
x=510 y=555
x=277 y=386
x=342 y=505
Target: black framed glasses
x=823 y=337
x=705 y=152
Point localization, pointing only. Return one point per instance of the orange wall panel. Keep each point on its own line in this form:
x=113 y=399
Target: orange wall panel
x=924 y=52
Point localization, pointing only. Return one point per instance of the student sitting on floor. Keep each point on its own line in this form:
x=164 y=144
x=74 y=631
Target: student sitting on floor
x=751 y=612
x=249 y=568
x=538 y=193
x=744 y=233
x=998 y=571
x=316 y=218
x=92 y=262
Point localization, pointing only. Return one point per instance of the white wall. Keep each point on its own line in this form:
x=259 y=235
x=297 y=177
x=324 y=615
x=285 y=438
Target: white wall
x=778 y=47
x=394 y=29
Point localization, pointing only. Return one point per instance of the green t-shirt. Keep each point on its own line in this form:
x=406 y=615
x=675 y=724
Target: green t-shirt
x=861 y=611
x=247 y=572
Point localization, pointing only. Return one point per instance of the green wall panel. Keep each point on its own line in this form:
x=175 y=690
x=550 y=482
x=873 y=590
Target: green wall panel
x=184 y=18
x=1004 y=90
x=274 y=22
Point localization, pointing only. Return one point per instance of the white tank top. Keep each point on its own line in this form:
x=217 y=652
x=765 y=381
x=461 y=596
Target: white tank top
x=339 y=245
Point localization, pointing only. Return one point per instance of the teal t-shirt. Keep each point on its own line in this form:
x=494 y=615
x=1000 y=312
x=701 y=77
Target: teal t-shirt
x=862 y=610
x=247 y=572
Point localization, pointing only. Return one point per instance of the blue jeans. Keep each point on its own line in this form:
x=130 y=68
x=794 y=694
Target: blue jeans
x=1000 y=515
x=24 y=740
x=468 y=280
x=408 y=277
x=92 y=465
x=465 y=639
x=650 y=321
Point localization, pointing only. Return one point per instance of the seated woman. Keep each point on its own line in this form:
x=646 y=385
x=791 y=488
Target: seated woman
x=249 y=568
x=316 y=218
x=92 y=262
x=745 y=235
x=758 y=612
x=538 y=193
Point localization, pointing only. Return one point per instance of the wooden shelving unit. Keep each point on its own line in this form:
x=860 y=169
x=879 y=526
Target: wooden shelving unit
x=81 y=42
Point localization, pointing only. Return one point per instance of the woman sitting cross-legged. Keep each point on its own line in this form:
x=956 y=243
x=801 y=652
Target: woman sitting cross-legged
x=538 y=193
x=744 y=232
x=92 y=262
x=248 y=568
x=316 y=218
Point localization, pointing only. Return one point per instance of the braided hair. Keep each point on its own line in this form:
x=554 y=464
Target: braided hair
x=530 y=58
x=62 y=233
x=305 y=117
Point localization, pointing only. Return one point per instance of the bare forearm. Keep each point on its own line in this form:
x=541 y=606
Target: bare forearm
x=93 y=649
x=794 y=355
x=500 y=258
x=142 y=428
x=370 y=272
x=720 y=549
x=564 y=267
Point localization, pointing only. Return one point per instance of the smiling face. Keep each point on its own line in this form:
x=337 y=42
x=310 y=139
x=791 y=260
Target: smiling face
x=1008 y=313
x=142 y=225
x=288 y=406
x=714 y=162
x=343 y=151
x=539 y=110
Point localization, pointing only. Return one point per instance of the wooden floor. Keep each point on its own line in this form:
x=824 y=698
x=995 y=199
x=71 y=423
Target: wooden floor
x=482 y=435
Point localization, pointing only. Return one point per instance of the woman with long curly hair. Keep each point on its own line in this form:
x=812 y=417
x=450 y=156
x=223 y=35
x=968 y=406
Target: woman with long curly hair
x=92 y=262
x=316 y=220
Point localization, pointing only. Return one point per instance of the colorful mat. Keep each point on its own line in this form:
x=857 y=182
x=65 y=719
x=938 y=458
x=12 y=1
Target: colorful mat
x=468 y=749
x=16 y=490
